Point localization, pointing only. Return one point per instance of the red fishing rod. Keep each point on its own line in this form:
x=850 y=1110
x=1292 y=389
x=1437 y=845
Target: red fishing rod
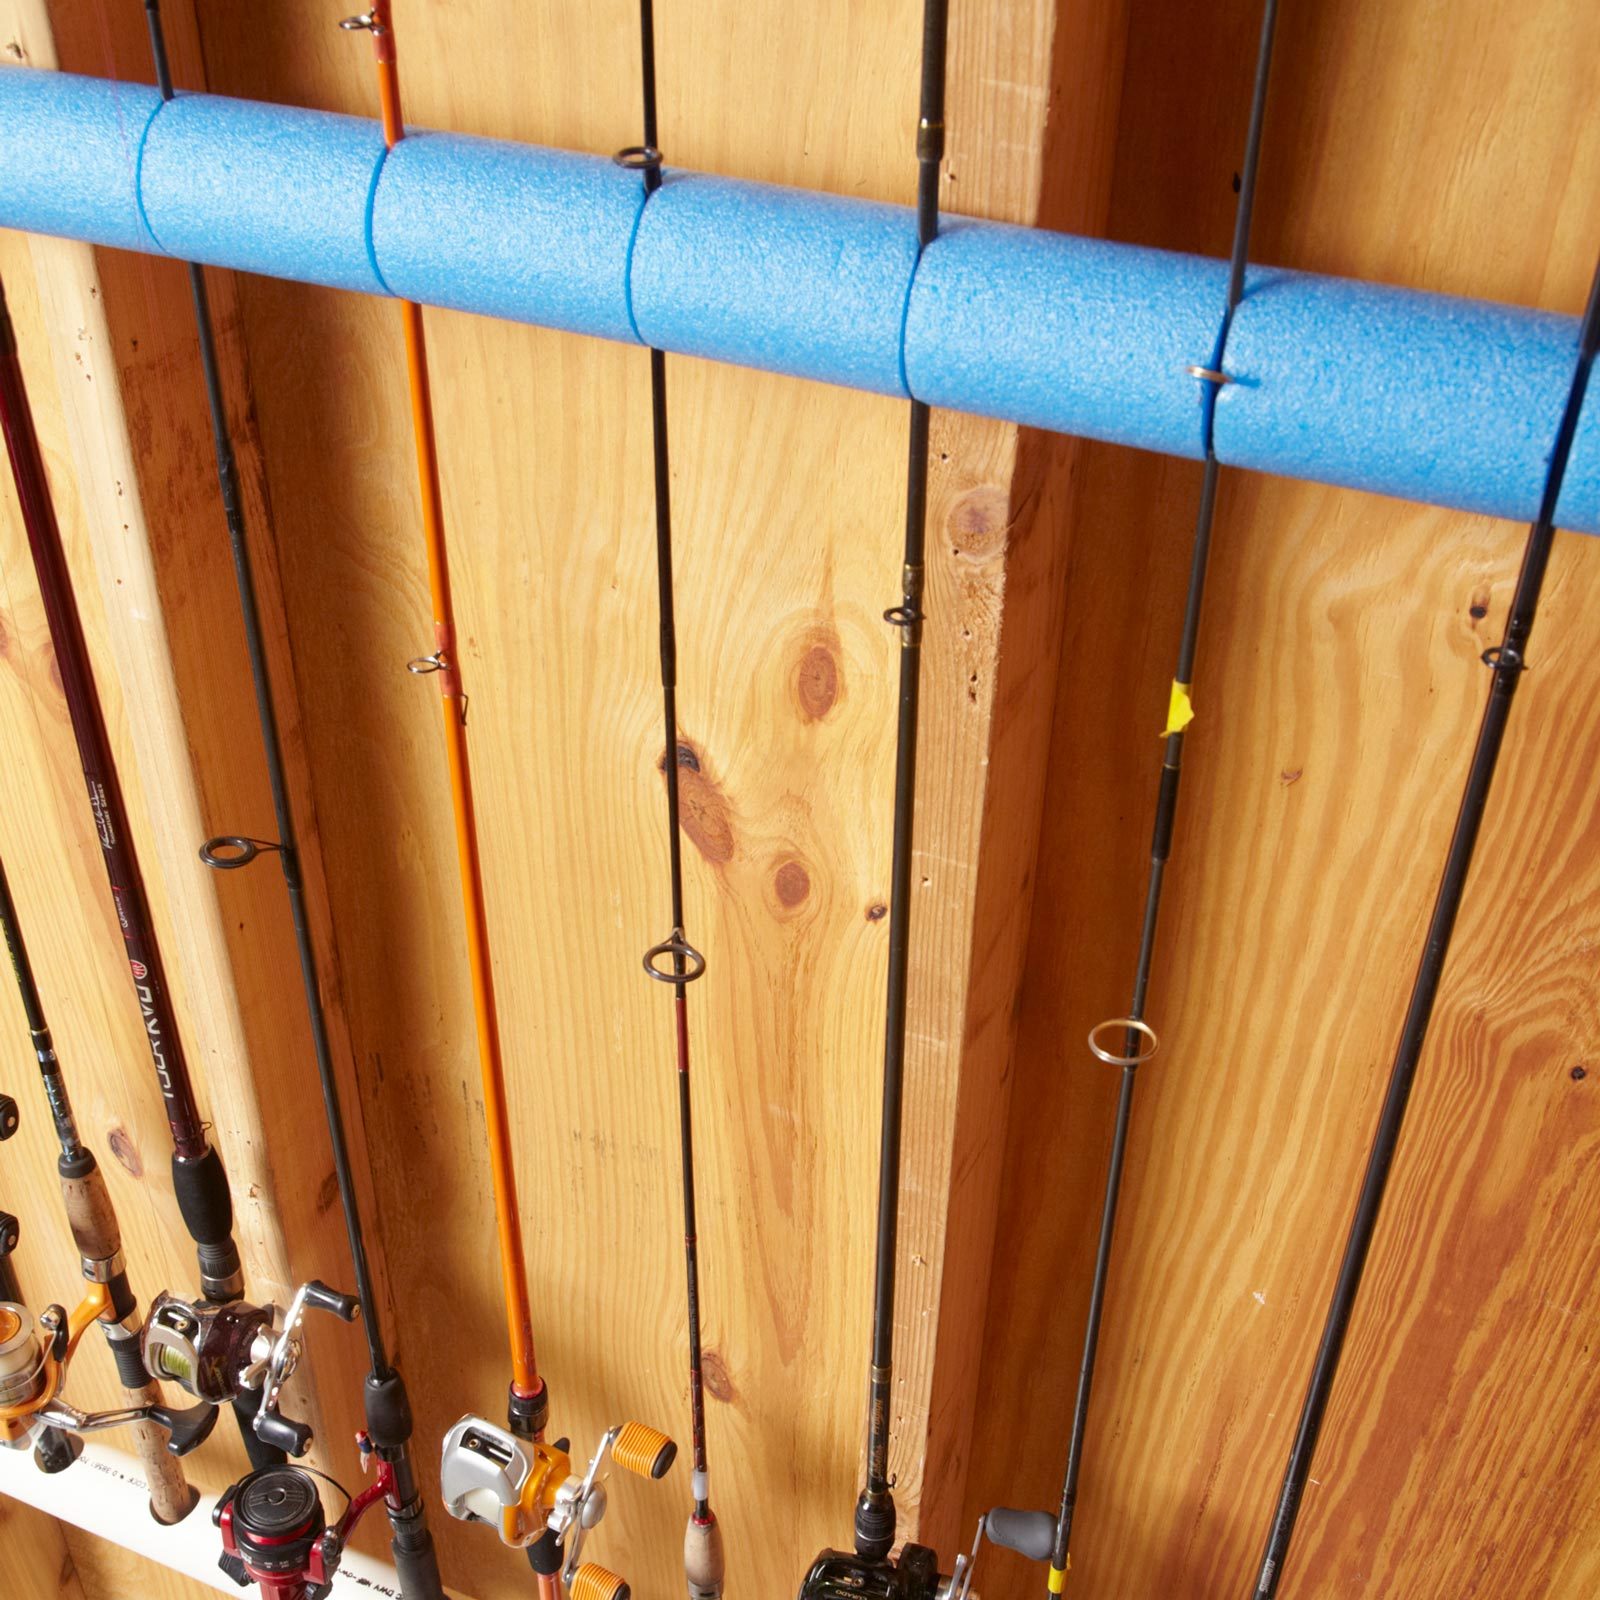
x=198 y=1176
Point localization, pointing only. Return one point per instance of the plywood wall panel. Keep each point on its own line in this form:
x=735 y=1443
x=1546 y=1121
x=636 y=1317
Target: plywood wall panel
x=1339 y=690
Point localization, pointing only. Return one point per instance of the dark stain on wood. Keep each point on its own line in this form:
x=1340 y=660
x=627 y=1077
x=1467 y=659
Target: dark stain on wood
x=978 y=520
x=125 y=1150
x=719 y=1384
x=877 y=911
x=327 y=1194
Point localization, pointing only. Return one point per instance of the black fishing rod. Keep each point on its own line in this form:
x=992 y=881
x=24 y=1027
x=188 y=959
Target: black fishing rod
x=198 y=1177
x=1507 y=662
x=868 y=1573
x=703 y=1558
x=1032 y=1533
x=388 y=1408
x=38 y=1351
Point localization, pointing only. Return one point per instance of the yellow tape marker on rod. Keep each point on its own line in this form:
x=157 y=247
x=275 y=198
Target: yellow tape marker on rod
x=1058 y=1577
x=1180 y=709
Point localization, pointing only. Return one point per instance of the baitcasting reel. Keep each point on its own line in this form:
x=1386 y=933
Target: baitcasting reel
x=217 y=1352
x=35 y=1355
x=914 y=1575
x=539 y=1504
x=276 y=1534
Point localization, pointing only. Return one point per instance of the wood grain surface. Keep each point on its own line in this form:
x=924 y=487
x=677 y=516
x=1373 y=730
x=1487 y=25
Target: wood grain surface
x=1338 y=690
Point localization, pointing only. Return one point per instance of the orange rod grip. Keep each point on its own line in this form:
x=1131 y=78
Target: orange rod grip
x=590 y=1582
x=644 y=1451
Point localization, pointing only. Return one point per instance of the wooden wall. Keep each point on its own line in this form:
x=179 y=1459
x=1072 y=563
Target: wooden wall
x=1338 y=691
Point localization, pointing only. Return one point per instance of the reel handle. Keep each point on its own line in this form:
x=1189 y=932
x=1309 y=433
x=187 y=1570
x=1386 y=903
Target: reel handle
x=344 y=1306
x=283 y=1433
x=1029 y=1533
x=593 y=1582
x=644 y=1451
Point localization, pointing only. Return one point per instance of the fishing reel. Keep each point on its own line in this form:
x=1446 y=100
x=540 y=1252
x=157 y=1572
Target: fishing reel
x=218 y=1352
x=530 y=1492
x=913 y=1575
x=275 y=1532
x=35 y=1356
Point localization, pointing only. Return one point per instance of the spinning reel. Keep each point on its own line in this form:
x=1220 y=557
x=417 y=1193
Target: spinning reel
x=217 y=1352
x=275 y=1532
x=35 y=1355
x=914 y=1575
x=531 y=1493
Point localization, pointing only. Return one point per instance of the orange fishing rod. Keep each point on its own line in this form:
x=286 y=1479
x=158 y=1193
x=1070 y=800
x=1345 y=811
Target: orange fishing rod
x=529 y=1403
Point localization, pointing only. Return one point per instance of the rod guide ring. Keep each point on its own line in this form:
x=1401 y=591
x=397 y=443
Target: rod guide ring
x=679 y=949
x=1501 y=655
x=1110 y=1057
x=367 y=22
x=421 y=666
x=639 y=158
x=230 y=850
x=905 y=616
x=1209 y=375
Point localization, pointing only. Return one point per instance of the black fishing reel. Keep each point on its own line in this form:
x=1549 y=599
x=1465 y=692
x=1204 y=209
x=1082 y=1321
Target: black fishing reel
x=275 y=1532
x=912 y=1575
x=218 y=1352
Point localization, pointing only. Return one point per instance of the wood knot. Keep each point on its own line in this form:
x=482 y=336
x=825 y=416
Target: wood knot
x=817 y=681
x=978 y=521
x=126 y=1151
x=792 y=882
x=718 y=1382
x=703 y=809
x=877 y=911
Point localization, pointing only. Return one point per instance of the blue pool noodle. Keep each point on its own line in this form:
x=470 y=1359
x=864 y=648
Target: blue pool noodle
x=1437 y=399
x=1075 y=335
x=783 y=279
x=1423 y=396
x=513 y=231
x=269 y=189
x=69 y=156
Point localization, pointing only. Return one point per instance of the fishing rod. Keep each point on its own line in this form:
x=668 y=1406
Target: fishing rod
x=1033 y=1534
x=509 y=1477
x=36 y=1353
x=868 y=1572
x=1507 y=662
x=704 y=1562
x=198 y=1176
x=386 y=1440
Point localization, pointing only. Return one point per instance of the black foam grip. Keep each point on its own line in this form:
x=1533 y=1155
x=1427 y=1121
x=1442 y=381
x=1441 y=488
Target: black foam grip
x=245 y=1406
x=131 y=1372
x=1029 y=1533
x=56 y=1451
x=388 y=1412
x=544 y=1555
x=320 y=1295
x=416 y=1562
x=203 y=1198
x=123 y=1304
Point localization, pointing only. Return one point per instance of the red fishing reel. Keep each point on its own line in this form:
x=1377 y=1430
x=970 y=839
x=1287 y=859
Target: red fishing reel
x=275 y=1532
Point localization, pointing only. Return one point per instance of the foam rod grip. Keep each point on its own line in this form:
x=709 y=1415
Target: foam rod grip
x=171 y=1497
x=416 y=1563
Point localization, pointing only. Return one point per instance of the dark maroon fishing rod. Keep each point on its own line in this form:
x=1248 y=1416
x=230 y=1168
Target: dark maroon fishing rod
x=198 y=1176
x=1507 y=662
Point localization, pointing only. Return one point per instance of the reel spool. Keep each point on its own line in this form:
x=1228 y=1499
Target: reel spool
x=22 y=1376
x=530 y=1492
x=275 y=1532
